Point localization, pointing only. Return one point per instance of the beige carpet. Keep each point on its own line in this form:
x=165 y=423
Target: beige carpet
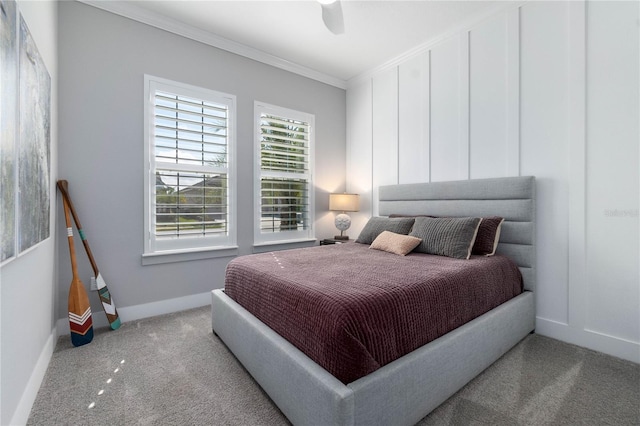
x=172 y=370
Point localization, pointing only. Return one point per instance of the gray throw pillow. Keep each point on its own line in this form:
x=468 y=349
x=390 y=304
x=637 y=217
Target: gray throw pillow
x=488 y=233
x=446 y=236
x=377 y=225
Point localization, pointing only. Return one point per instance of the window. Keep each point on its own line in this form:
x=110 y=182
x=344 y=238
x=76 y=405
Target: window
x=284 y=174
x=189 y=162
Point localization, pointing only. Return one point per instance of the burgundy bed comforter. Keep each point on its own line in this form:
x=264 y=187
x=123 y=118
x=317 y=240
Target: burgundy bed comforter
x=353 y=309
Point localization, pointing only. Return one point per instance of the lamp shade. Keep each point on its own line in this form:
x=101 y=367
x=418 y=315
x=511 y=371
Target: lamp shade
x=344 y=202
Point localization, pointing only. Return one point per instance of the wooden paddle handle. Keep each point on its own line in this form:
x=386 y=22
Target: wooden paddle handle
x=64 y=190
x=72 y=249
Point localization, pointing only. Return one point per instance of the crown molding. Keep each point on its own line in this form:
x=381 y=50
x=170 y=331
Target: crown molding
x=131 y=11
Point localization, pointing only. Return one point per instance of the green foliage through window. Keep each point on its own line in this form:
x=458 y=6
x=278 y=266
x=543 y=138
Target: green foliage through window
x=284 y=164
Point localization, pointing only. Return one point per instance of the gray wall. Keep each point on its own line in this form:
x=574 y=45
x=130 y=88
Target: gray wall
x=103 y=58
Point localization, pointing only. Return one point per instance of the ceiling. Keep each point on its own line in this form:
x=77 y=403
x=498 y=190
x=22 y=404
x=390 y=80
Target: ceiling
x=375 y=32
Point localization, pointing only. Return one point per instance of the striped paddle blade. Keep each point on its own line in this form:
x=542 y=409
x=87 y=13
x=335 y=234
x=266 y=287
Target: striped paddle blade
x=80 y=325
x=107 y=303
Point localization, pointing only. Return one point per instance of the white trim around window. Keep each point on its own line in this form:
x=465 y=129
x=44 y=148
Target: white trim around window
x=284 y=162
x=190 y=171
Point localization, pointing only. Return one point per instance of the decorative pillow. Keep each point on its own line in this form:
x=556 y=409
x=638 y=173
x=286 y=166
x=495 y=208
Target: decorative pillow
x=395 y=243
x=488 y=236
x=376 y=225
x=446 y=236
x=488 y=233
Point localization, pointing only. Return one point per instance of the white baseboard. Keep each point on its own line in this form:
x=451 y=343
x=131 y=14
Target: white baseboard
x=604 y=343
x=21 y=415
x=146 y=310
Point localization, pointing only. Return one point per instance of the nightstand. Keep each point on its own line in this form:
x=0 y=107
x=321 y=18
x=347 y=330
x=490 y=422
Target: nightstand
x=328 y=241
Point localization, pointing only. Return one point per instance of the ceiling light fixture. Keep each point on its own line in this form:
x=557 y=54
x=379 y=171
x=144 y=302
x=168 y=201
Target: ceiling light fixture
x=332 y=15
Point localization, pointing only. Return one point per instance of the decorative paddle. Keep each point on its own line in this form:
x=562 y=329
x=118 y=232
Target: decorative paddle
x=80 y=321
x=105 y=297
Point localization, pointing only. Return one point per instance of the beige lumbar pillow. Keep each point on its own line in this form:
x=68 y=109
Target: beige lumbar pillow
x=395 y=243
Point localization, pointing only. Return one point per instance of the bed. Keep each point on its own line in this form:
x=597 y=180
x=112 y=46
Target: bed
x=406 y=389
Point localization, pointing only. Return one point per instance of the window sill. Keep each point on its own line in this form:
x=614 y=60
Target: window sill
x=171 y=256
x=283 y=245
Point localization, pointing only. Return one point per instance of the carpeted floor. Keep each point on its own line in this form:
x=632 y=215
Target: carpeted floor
x=172 y=370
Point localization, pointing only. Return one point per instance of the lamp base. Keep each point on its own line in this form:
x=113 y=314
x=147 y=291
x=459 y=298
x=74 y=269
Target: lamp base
x=341 y=237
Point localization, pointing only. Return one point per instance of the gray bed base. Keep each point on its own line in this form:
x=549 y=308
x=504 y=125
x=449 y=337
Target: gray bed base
x=404 y=391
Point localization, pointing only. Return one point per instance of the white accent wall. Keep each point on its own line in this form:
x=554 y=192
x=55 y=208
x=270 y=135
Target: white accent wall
x=549 y=89
x=28 y=282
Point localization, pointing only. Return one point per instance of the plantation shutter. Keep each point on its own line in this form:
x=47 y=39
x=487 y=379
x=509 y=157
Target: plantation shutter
x=190 y=204
x=285 y=175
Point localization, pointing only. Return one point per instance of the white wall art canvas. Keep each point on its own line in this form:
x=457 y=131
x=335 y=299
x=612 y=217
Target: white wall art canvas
x=25 y=137
x=34 y=158
x=8 y=127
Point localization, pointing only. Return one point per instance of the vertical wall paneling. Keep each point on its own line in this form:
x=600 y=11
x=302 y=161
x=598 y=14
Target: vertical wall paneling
x=359 y=152
x=548 y=89
x=612 y=288
x=577 y=172
x=513 y=92
x=488 y=99
x=385 y=131
x=463 y=162
x=445 y=110
x=413 y=119
x=544 y=146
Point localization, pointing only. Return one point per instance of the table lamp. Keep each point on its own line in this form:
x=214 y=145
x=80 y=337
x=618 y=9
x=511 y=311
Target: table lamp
x=343 y=203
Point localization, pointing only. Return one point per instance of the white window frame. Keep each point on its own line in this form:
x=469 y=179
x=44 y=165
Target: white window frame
x=186 y=244
x=282 y=237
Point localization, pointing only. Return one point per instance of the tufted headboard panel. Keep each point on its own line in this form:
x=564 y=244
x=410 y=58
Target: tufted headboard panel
x=513 y=198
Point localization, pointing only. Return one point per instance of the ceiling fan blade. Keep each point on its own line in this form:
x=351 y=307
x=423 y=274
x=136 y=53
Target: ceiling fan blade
x=332 y=17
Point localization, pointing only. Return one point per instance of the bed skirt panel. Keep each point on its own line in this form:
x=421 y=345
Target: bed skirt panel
x=401 y=392
x=414 y=385
x=305 y=392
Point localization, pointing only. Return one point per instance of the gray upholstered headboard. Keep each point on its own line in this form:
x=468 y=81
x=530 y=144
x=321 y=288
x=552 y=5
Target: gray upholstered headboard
x=513 y=198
